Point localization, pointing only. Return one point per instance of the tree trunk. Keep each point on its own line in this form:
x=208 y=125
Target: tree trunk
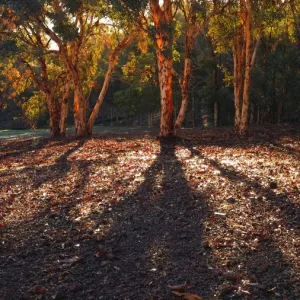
x=79 y=112
x=111 y=66
x=218 y=86
x=166 y=94
x=63 y=117
x=64 y=110
x=184 y=95
x=250 y=56
x=279 y=111
x=216 y=114
x=54 y=113
x=252 y=114
x=101 y=97
x=192 y=30
x=238 y=57
x=163 y=19
x=258 y=116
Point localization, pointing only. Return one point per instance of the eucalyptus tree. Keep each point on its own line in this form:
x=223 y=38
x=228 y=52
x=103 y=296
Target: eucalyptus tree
x=163 y=17
x=25 y=51
x=196 y=13
x=77 y=32
x=113 y=58
x=239 y=26
x=159 y=17
x=294 y=15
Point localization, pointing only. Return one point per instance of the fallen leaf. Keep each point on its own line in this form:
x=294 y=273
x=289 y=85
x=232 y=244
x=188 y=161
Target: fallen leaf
x=70 y=261
x=100 y=253
x=177 y=287
x=188 y=296
x=41 y=291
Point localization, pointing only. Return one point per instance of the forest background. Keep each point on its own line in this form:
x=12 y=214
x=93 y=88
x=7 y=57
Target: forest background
x=175 y=63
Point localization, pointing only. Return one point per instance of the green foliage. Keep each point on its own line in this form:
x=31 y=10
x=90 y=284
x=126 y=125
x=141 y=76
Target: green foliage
x=134 y=87
x=35 y=108
x=73 y=6
x=138 y=99
x=63 y=26
x=9 y=48
x=27 y=7
x=130 y=8
x=277 y=78
x=222 y=30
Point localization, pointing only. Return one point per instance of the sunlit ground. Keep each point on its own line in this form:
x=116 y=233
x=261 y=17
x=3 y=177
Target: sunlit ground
x=124 y=217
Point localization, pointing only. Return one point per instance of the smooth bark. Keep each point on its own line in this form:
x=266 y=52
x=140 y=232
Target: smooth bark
x=184 y=95
x=248 y=65
x=238 y=76
x=111 y=66
x=192 y=30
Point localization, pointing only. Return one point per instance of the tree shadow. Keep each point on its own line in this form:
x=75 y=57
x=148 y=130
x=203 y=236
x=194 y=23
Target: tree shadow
x=134 y=247
x=23 y=147
x=289 y=211
x=150 y=239
x=39 y=245
x=265 y=262
x=154 y=237
x=38 y=239
x=40 y=174
x=268 y=136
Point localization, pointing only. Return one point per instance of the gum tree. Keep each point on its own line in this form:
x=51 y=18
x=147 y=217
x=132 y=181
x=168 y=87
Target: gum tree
x=239 y=25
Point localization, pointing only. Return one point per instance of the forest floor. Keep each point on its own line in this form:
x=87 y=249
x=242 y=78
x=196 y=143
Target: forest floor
x=124 y=216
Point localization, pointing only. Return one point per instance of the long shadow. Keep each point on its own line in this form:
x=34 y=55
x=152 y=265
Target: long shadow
x=266 y=263
x=289 y=211
x=39 y=240
x=29 y=145
x=32 y=178
x=152 y=238
x=269 y=137
x=38 y=245
x=41 y=174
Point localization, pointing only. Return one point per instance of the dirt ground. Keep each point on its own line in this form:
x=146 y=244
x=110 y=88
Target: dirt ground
x=126 y=216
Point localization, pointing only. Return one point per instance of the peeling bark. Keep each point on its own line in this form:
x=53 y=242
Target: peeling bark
x=54 y=114
x=79 y=111
x=163 y=20
x=64 y=111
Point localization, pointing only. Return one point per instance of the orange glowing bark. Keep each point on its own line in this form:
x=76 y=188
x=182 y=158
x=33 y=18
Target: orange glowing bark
x=163 y=19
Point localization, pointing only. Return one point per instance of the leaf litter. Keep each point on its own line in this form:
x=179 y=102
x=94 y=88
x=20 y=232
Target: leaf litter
x=92 y=219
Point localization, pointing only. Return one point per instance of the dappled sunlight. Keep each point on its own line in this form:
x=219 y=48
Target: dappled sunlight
x=246 y=215
x=166 y=213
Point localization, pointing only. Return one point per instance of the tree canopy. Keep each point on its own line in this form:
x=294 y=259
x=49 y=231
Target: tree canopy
x=194 y=51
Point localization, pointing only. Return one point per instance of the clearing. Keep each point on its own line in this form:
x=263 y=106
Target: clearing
x=123 y=216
